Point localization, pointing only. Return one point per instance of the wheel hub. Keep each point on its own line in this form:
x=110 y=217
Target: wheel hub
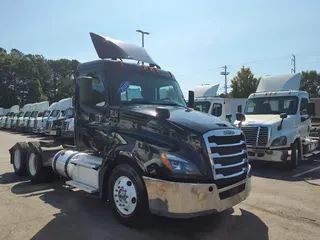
x=125 y=195
x=17 y=159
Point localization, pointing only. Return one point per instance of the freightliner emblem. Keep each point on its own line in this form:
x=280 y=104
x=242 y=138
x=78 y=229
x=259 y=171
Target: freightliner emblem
x=228 y=132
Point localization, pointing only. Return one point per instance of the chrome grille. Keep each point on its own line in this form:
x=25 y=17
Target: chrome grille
x=256 y=136
x=228 y=156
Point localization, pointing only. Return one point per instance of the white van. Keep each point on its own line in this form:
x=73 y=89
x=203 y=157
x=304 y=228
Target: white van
x=52 y=126
x=38 y=112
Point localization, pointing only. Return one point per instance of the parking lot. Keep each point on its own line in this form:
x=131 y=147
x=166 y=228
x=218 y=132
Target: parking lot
x=283 y=205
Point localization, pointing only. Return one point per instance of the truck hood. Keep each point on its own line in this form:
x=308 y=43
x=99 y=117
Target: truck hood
x=263 y=119
x=187 y=118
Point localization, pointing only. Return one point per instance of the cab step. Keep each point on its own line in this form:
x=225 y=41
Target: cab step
x=307 y=155
x=82 y=186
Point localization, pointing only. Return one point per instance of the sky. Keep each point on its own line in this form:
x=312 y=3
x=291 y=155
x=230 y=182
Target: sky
x=192 y=39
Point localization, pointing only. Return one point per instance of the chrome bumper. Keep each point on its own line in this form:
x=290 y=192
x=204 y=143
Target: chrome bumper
x=184 y=200
x=278 y=155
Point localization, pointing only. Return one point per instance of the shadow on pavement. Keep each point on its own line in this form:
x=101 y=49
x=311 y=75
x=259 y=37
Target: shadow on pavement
x=83 y=216
x=278 y=171
x=11 y=177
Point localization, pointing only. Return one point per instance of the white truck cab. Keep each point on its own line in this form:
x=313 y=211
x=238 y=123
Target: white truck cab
x=67 y=127
x=42 y=121
x=24 y=112
x=207 y=101
x=277 y=121
x=37 y=113
x=52 y=128
x=14 y=110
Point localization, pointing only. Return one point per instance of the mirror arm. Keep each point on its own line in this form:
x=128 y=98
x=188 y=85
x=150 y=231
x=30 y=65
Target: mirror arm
x=280 y=126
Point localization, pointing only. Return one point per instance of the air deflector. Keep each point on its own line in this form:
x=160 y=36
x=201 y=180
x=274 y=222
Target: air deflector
x=107 y=47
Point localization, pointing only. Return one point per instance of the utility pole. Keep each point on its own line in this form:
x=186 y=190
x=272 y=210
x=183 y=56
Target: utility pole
x=142 y=34
x=293 y=62
x=225 y=73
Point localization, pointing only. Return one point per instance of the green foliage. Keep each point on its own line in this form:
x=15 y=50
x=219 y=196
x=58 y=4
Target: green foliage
x=244 y=83
x=310 y=82
x=28 y=78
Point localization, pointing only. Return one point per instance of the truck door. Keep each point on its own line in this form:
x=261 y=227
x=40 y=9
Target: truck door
x=305 y=120
x=91 y=107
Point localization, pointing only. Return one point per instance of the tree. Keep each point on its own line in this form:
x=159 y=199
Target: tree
x=244 y=83
x=310 y=81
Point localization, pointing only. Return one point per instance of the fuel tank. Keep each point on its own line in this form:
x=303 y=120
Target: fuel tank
x=78 y=166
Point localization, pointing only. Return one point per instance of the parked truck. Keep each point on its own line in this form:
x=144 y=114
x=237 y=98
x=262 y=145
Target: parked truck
x=53 y=125
x=38 y=112
x=277 y=121
x=206 y=100
x=147 y=154
x=41 y=122
x=67 y=126
x=9 y=119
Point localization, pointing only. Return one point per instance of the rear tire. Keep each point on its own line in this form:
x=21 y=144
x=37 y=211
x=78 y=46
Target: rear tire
x=18 y=158
x=36 y=171
x=128 y=196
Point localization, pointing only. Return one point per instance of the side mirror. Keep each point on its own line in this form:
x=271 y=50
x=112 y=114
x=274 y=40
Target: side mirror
x=239 y=108
x=311 y=109
x=229 y=116
x=283 y=115
x=240 y=117
x=85 y=86
x=191 y=99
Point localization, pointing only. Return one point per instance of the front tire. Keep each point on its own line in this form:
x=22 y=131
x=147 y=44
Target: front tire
x=295 y=155
x=36 y=171
x=128 y=196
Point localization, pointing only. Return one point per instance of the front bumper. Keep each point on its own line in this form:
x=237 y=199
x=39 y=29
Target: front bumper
x=185 y=200
x=55 y=132
x=270 y=155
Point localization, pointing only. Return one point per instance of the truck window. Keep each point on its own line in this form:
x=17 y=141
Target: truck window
x=133 y=92
x=216 y=109
x=304 y=106
x=98 y=94
x=202 y=106
x=146 y=89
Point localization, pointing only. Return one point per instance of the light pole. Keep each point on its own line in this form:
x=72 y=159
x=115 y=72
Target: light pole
x=142 y=34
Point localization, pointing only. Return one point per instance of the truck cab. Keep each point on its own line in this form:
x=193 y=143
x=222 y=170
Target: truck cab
x=145 y=151
x=207 y=101
x=53 y=126
x=38 y=113
x=277 y=121
x=67 y=127
x=9 y=120
x=42 y=121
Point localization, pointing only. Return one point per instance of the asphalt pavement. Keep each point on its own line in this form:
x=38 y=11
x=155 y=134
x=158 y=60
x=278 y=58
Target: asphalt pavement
x=283 y=205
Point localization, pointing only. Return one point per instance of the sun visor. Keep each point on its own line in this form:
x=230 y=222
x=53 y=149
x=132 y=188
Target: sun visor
x=114 y=49
x=284 y=82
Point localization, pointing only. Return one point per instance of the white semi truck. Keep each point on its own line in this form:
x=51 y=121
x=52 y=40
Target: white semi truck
x=14 y=110
x=38 y=112
x=52 y=126
x=277 y=121
x=206 y=100
x=42 y=121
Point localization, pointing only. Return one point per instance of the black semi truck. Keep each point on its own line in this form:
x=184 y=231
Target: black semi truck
x=138 y=145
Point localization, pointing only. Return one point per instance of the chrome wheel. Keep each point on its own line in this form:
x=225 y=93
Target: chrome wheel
x=17 y=159
x=32 y=164
x=125 y=195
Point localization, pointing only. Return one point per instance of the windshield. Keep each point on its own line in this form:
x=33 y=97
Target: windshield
x=272 y=105
x=27 y=114
x=146 y=89
x=202 y=106
x=46 y=113
x=69 y=113
x=40 y=114
x=54 y=113
x=34 y=114
x=21 y=114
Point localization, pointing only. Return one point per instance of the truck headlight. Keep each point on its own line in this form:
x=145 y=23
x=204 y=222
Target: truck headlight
x=280 y=141
x=178 y=165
